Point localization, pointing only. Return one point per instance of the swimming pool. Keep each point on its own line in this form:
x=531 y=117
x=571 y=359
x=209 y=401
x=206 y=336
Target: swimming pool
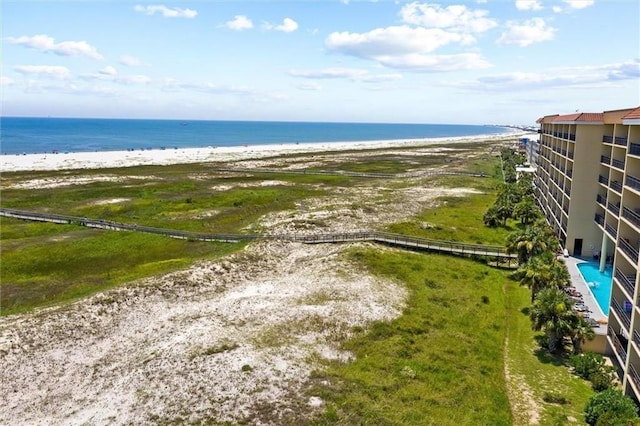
x=599 y=283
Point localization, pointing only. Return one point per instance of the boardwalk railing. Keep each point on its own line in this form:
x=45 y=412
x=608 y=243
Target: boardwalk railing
x=347 y=173
x=494 y=253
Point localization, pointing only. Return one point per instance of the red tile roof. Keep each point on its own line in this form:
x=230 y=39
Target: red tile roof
x=634 y=114
x=581 y=117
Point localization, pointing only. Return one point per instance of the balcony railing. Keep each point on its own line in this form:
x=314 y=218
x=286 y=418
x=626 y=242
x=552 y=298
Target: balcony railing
x=572 y=137
x=605 y=160
x=631 y=216
x=615 y=209
x=634 y=149
x=570 y=155
x=634 y=375
x=618 y=164
x=620 y=349
x=599 y=219
x=611 y=230
x=603 y=180
x=627 y=281
x=626 y=247
x=636 y=338
x=625 y=317
x=602 y=200
x=607 y=139
x=616 y=186
x=633 y=182
x=619 y=140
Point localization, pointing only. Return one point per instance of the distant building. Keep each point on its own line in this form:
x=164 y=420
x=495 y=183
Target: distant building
x=588 y=187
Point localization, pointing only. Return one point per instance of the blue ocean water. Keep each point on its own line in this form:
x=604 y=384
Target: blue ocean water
x=39 y=135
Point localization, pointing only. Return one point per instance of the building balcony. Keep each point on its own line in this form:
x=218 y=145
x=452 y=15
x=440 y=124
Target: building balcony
x=618 y=164
x=627 y=249
x=570 y=155
x=602 y=200
x=622 y=314
x=636 y=339
x=611 y=231
x=627 y=281
x=613 y=208
x=633 y=182
x=634 y=149
x=631 y=215
x=619 y=140
x=572 y=137
x=603 y=180
x=607 y=139
x=599 y=219
x=617 y=342
x=616 y=186
x=605 y=160
x=635 y=378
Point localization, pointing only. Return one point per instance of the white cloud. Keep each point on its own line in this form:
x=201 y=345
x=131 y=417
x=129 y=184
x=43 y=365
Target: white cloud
x=134 y=79
x=45 y=43
x=329 y=73
x=534 y=30
x=354 y=74
x=557 y=9
x=288 y=25
x=405 y=47
x=311 y=86
x=393 y=41
x=455 y=17
x=6 y=81
x=108 y=70
x=528 y=5
x=579 y=77
x=579 y=4
x=51 y=71
x=130 y=61
x=166 y=12
x=239 y=23
x=427 y=63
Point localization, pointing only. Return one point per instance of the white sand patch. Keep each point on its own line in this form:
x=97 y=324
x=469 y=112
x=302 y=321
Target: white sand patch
x=62 y=181
x=216 y=341
x=111 y=201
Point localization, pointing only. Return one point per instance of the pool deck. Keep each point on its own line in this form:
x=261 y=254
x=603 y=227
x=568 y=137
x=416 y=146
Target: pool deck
x=580 y=284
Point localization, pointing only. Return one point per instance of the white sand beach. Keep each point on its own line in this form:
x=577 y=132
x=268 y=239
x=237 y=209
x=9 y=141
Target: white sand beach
x=109 y=159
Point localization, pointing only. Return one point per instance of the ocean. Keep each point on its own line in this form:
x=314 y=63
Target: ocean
x=34 y=135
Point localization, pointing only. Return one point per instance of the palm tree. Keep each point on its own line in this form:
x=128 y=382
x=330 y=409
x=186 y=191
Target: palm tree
x=526 y=243
x=559 y=276
x=534 y=274
x=491 y=218
x=552 y=313
x=526 y=210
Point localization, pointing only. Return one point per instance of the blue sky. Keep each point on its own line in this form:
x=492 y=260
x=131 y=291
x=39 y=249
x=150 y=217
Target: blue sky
x=473 y=62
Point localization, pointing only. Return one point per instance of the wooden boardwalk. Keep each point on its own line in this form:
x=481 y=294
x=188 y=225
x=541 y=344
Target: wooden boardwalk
x=494 y=254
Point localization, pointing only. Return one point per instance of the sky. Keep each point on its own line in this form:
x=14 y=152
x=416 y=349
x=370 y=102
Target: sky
x=448 y=62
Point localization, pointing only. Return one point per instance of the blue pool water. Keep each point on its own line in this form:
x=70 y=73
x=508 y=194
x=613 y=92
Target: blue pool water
x=598 y=282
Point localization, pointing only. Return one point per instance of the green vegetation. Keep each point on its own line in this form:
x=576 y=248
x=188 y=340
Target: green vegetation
x=610 y=407
x=441 y=362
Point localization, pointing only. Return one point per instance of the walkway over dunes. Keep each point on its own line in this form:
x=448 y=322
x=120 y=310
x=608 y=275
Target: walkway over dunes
x=496 y=255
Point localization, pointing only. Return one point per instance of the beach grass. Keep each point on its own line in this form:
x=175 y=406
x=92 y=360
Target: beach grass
x=440 y=363
x=48 y=264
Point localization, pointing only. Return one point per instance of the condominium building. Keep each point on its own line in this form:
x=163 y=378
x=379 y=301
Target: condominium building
x=588 y=186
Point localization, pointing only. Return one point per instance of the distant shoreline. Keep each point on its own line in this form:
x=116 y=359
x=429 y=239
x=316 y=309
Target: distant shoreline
x=130 y=158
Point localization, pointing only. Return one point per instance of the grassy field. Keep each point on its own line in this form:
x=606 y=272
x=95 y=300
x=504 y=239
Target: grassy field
x=442 y=362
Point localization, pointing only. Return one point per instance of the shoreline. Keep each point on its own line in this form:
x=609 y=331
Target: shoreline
x=115 y=159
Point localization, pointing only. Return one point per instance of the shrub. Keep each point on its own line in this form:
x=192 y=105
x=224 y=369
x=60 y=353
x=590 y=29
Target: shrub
x=587 y=364
x=554 y=398
x=610 y=407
